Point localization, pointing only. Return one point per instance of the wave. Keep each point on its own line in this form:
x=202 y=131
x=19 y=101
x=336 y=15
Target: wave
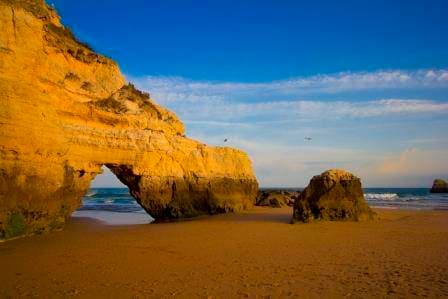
x=90 y=193
x=381 y=196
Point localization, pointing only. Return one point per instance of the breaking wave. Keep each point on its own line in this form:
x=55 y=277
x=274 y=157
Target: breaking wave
x=381 y=196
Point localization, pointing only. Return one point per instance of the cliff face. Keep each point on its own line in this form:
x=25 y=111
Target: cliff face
x=66 y=111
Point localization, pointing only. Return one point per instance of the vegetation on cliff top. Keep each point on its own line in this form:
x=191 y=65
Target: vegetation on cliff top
x=37 y=7
x=58 y=35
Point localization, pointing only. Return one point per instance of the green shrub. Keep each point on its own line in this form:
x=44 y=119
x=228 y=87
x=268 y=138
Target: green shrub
x=15 y=226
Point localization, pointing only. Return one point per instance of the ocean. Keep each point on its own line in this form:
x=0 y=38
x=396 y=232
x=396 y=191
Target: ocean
x=406 y=198
x=115 y=206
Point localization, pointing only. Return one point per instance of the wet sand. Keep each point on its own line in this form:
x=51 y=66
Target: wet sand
x=255 y=254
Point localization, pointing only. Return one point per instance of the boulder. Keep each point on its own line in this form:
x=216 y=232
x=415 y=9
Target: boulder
x=439 y=186
x=333 y=195
x=66 y=111
x=276 y=198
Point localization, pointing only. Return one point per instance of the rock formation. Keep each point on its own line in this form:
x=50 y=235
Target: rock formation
x=333 y=195
x=65 y=111
x=439 y=186
x=276 y=198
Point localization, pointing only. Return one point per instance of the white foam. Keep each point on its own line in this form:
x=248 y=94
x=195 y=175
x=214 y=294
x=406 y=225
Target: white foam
x=381 y=196
x=90 y=193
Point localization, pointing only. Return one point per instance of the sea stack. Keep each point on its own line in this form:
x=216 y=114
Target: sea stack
x=66 y=111
x=333 y=195
x=439 y=186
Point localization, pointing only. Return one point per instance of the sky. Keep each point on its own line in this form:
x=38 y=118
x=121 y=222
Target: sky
x=367 y=81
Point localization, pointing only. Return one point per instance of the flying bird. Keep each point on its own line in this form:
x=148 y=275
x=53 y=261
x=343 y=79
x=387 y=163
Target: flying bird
x=308 y=138
x=225 y=140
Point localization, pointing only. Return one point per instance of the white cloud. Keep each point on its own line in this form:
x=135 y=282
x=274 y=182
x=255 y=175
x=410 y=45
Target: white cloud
x=233 y=101
x=269 y=120
x=177 y=89
x=371 y=108
x=217 y=113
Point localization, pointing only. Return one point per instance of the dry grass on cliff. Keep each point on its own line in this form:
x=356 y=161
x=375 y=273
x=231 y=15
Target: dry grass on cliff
x=111 y=105
x=67 y=37
x=116 y=102
x=42 y=11
x=37 y=7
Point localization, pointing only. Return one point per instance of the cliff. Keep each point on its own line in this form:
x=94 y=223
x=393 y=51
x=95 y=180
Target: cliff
x=66 y=111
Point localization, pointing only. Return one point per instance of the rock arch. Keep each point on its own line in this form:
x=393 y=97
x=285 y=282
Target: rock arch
x=65 y=111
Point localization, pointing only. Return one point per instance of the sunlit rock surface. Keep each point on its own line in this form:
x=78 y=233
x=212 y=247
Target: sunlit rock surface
x=65 y=111
x=333 y=195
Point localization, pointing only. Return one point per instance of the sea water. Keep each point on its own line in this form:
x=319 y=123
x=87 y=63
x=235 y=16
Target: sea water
x=116 y=206
x=406 y=198
x=398 y=198
x=113 y=206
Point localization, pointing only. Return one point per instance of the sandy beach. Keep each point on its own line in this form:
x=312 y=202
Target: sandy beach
x=254 y=254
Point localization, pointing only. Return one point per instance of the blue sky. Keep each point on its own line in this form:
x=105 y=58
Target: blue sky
x=367 y=80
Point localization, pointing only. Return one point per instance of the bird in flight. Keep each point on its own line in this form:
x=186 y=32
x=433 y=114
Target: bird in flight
x=308 y=138
x=225 y=140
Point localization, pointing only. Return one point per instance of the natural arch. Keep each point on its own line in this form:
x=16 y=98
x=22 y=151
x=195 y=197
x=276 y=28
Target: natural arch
x=108 y=200
x=65 y=111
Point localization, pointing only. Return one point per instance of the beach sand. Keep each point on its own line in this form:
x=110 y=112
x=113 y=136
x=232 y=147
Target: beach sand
x=254 y=254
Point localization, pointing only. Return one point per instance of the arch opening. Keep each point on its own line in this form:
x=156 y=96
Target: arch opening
x=109 y=200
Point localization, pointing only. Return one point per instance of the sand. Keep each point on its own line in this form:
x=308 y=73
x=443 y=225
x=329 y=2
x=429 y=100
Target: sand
x=254 y=254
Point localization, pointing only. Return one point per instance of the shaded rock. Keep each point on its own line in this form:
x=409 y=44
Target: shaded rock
x=333 y=195
x=65 y=111
x=439 y=186
x=276 y=198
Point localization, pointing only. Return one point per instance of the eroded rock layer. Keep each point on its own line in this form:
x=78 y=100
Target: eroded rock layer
x=65 y=111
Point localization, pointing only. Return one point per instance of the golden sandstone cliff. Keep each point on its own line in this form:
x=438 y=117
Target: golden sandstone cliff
x=66 y=111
